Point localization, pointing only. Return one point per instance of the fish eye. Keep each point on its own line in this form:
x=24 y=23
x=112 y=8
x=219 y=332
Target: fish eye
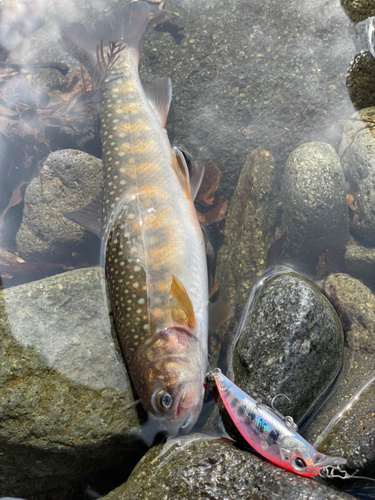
x=162 y=400
x=298 y=463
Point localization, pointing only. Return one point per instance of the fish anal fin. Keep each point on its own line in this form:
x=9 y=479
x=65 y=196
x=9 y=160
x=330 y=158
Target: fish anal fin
x=180 y=295
x=159 y=94
x=90 y=216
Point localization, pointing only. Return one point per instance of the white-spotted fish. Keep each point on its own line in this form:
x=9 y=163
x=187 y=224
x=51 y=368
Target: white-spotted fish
x=152 y=243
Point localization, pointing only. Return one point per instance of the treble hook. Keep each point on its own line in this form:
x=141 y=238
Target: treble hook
x=329 y=473
x=288 y=420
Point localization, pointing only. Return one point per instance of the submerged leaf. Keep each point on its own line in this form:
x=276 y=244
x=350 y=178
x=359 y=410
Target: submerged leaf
x=330 y=261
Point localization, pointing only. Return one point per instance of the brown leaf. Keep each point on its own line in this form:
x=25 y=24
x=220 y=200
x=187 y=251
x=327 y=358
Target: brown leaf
x=7 y=258
x=15 y=200
x=210 y=183
x=217 y=213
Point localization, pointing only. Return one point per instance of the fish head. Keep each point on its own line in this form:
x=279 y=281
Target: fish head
x=170 y=382
x=300 y=457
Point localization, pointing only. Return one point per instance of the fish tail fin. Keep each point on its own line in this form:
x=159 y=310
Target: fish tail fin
x=125 y=26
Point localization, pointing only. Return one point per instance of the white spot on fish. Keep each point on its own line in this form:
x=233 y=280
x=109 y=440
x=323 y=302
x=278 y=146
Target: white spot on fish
x=137 y=269
x=121 y=154
x=131 y=216
x=141 y=301
x=135 y=285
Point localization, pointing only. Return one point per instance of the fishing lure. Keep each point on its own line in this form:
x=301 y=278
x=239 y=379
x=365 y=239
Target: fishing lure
x=272 y=435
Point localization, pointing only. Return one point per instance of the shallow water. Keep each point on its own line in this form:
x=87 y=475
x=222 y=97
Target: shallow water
x=245 y=75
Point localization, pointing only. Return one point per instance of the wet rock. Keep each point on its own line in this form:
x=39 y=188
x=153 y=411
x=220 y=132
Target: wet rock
x=248 y=228
x=356 y=152
x=65 y=398
x=359 y=80
x=346 y=422
x=194 y=468
x=315 y=215
x=68 y=180
x=358 y=302
x=358 y=10
x=360 y=262
x=290 y=332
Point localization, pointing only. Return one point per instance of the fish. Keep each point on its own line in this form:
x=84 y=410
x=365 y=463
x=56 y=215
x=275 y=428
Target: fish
x=152 y=244
x=272 y=435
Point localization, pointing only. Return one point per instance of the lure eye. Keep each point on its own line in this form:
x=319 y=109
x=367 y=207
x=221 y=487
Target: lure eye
x=162 y=400
x=298 y=463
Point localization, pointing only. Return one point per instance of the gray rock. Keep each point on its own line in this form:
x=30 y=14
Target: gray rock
x=248 y=228
x=68 y=180
x=359 y=80
x=360 y=262
x=65 y=399
x=346 y=421
x=357 y=150
x=315 y=214
x=290 y=332
x=193 y=468
x=358 y=302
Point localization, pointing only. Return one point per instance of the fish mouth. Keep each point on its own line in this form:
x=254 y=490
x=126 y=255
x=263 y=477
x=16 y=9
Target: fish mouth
x=187 y=422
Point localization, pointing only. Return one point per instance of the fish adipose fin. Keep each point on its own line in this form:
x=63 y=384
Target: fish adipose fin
x=159 y=94
x=182 y=298
x=188 y=172
x=125 y=26
x=90 y=216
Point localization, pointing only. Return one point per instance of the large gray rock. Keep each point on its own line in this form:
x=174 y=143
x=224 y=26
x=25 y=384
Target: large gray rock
x=315 y=214
x=68 y=180
x=193 y=468
x=290 y=332
x=357 y=150
x=66 y=404
x=359 y=80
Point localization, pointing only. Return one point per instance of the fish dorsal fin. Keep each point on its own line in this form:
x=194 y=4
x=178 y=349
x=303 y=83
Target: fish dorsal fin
x=218 y=314
x=191 y=171
x=182 y=298
x=90 y=216
x=159 y=94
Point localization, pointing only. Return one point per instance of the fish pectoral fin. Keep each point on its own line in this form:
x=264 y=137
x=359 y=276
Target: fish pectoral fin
x=218 y=314
x=159 y=94
x=182 y=298
x=188 y=171
x=90 y=216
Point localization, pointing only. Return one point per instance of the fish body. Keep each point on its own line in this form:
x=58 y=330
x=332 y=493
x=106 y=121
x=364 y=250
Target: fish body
x=268 y=433
x=153 y=246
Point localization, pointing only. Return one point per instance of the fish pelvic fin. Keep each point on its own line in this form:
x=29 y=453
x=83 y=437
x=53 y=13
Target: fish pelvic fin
x=159 y=94
x=125 y=26
x=188 y=172
x=182 y=298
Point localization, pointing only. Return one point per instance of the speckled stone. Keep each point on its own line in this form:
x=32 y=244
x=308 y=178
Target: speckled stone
x=360 y=262
x=357 y=150
x=358 y=10
x=64 y=390
x=315 y=214
x=194 y=468
x=345 y=424
x=248 y=228
x=68 y=180
x=359 y=80
x=290 y=333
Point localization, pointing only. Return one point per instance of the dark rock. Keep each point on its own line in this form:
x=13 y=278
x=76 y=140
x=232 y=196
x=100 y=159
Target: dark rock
x=357 y=150
x=315 y=214
x=66 y=404
x=193 y=468
x=68 y=180
x=358 y=10
x=248 y=228
x=360 y=262
x=359 y=80
x=290 y=332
